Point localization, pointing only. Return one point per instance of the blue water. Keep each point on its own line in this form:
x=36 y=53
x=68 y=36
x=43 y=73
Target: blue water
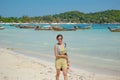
x=96 y=49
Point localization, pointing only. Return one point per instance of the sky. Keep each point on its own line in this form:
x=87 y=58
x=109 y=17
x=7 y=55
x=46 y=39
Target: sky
x=19 y=8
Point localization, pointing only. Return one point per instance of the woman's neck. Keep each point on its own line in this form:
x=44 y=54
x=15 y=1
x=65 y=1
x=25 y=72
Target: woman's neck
x=60 y=43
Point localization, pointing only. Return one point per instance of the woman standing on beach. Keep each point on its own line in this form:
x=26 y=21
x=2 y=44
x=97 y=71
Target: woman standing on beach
x=61 y=57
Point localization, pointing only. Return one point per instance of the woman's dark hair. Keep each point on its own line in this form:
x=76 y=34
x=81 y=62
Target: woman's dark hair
x=59 y=36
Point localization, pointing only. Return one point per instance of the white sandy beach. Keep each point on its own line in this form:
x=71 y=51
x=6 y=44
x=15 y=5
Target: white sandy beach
x=15 y=66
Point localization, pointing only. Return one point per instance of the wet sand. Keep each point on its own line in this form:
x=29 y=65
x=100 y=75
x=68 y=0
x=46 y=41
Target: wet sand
x=16 y=66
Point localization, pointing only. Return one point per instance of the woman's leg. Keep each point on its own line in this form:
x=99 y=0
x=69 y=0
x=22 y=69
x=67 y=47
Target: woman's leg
x=65 y=74
x=57 y=74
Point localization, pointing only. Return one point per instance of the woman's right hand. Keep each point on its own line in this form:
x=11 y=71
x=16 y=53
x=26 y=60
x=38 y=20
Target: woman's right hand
x=61 y=56
x=64 y=56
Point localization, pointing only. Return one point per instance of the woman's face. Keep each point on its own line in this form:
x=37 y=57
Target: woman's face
x=59 y=39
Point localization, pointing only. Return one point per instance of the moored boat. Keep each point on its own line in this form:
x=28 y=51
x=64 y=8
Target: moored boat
x=86 y=27
x=1 y=28
x=58 y=29
x=26 y=27
x=114 y=30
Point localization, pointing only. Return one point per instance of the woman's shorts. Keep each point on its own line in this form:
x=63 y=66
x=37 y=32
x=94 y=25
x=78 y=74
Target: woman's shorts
x=61 y=63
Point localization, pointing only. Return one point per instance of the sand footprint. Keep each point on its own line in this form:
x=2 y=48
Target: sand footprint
x=81 y=78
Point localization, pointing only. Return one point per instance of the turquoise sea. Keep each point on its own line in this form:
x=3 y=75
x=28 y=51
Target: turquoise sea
x=96 y=49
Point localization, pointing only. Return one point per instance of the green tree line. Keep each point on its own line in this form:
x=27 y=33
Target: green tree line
x=108 y=16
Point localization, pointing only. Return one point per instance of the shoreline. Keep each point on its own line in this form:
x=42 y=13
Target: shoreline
x=58 y=23
x=50 y=59
x=16 y=66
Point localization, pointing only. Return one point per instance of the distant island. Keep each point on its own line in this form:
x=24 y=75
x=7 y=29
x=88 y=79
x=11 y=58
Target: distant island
x=108 y=16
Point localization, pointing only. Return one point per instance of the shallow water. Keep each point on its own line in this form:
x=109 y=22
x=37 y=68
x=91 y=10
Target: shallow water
x=95 y=49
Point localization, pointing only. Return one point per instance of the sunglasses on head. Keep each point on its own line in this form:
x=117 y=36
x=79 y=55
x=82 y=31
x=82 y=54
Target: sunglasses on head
x=59 y=39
